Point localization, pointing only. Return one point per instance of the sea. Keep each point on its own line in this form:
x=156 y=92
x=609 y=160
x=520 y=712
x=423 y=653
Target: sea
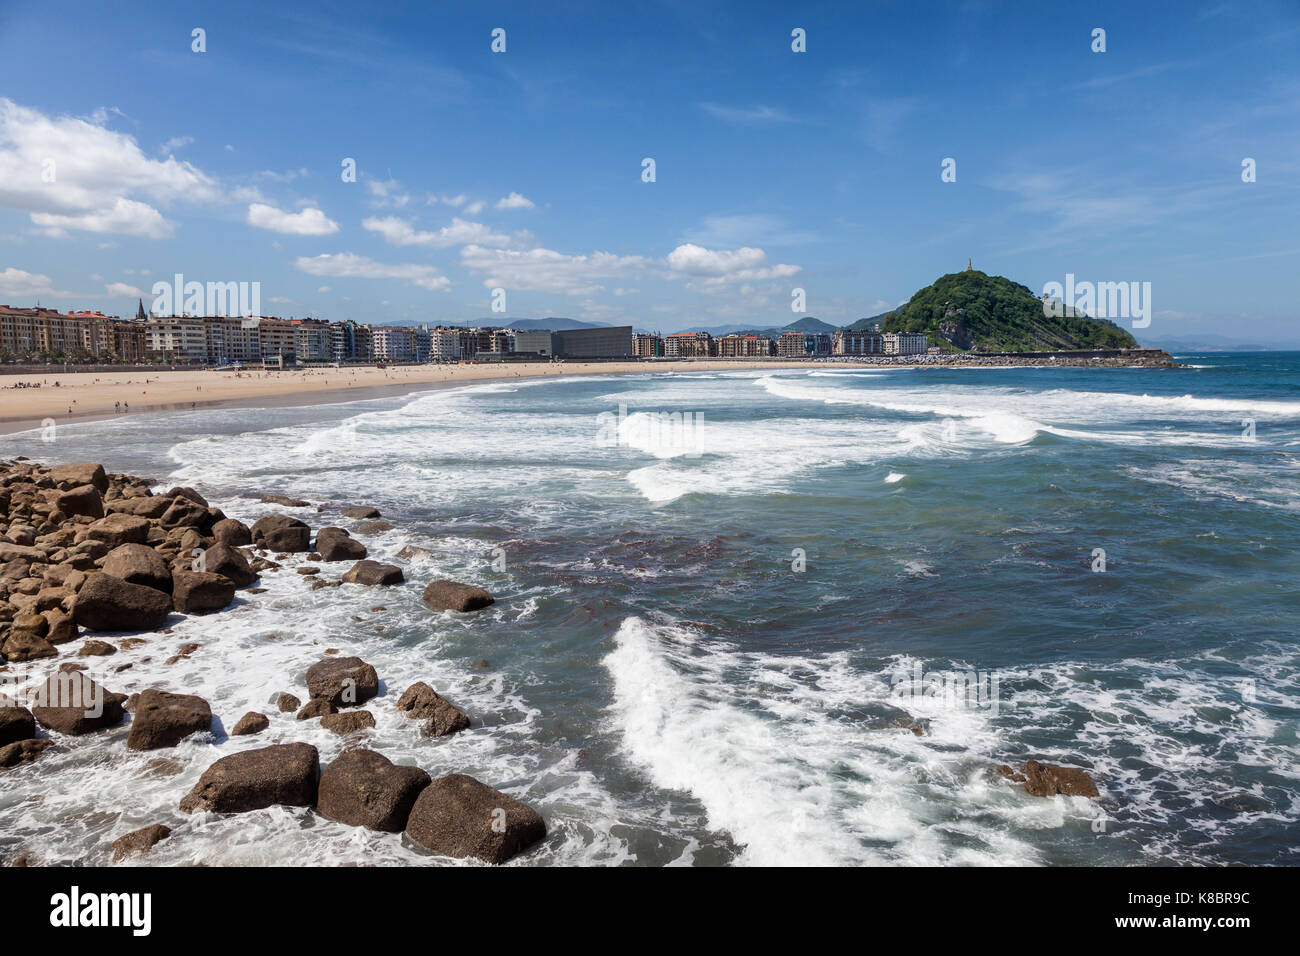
x=754 y=617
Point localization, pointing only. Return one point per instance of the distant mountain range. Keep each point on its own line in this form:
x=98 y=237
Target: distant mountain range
x=549 y=324
x=960 y=311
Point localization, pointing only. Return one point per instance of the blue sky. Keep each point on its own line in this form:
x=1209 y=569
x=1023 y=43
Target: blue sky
x=774 y=169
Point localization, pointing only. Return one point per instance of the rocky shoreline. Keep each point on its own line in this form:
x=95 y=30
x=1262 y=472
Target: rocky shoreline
x=85 y=551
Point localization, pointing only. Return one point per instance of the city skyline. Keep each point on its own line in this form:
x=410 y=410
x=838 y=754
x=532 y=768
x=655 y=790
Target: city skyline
x=775 y=170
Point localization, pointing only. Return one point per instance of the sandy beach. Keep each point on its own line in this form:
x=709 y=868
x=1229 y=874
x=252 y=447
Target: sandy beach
x=80 y=396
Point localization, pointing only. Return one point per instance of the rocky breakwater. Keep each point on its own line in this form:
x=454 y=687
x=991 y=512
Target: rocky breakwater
x=83 y=550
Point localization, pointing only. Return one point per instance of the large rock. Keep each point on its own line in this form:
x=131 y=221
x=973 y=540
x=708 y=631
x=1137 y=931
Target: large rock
x=281 y=533
x=229 y=563
x=372 y=573
x=422 y=702
x=348 y=722
x=80 y=473
x=454 y=596
x=1045 y=780
x=184 y=512
x=361 y=511
x=139 y=841
x=71 y=703
x=16 y=722
x=21 y=552
x=23 y=751
x=139 y=564
x=162 y=720
x=335 y=544
x=149 y=506
x=107 y=603
x=284 y=774
x=234 y=533
x=195 y=592
x=83 y=500
x=251 y=723
x=285 y=501
x=458 y=816
x=26 y=645
x=365 y=789
x=118 y=529
x=343 y=681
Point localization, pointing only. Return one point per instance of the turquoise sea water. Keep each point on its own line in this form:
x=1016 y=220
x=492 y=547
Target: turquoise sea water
x=709 y=624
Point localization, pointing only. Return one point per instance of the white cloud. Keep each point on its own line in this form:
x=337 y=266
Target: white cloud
x=749 y=115
x=97 y=172
x=474 y=208
x=309 y=222
x=515 y=201
x=323 y=288
x=119 y=290
x=399 y=232
x=715 y=266
x=16 y=284
x=352 y=266
x=548 y=271
x=173 y=144
x=387 y=192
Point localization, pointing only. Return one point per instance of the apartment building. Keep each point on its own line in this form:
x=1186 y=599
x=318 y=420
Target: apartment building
x=857 y=342
x=645 y=345
x=905 y=343
x=745 y=346
x=689 y=345
x=803 y=344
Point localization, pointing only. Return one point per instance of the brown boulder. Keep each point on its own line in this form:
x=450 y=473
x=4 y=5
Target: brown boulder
x=348 y=722
x=139 y=841
x=363 y=788
x=96 y=649
x=162 y=720
x=23 y=751
x=422 y=702
x=287 y=703
x=1045 y=780
x=115 y=530
x=139 y=564
x=343 y=681
x=316 y=708
x=281 y=533
x=107 y=603
x=195 y=592
x=16 y=723
x=335 y=544
x=233 y=533
x=251 y=723
x=184 y=512
x=145 y=507
x=284 y=774
x=285 y=501
x=454 y=596
x=83 y=500
x=229 y=563
x=361 y=511
x=372 y=574
x=25 y=645
x=73 y=704
x=80 y=473
x=458 y=816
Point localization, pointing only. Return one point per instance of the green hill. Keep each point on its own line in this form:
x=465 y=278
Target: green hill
x=974 y=310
